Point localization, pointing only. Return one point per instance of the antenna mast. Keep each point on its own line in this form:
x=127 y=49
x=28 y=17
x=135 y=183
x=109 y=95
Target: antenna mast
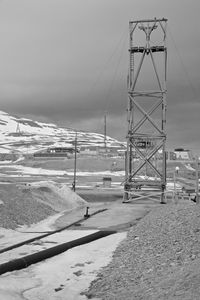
x=146 y=111
x=105 y=131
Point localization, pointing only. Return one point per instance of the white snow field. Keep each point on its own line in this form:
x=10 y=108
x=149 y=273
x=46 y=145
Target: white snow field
x=20 y=135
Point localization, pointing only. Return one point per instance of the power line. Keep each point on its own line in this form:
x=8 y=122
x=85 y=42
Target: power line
x=99 y=76
x=187 y=75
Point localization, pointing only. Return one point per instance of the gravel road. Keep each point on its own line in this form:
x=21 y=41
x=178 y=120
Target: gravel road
x=159 y=259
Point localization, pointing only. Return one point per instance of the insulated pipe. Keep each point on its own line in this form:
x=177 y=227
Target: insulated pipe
x=47 y=234
x=26 y=261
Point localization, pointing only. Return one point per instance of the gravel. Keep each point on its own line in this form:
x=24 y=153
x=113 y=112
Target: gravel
x=159 y=259
x=19 y=207
x=26 y=204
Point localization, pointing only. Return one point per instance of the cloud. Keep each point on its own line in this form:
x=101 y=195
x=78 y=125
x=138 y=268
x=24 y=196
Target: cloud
x=66 y=61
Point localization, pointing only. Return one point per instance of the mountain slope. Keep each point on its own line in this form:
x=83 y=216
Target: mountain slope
x=21 y=135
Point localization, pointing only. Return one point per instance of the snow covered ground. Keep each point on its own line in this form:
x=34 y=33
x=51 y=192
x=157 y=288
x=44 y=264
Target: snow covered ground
x=189 y=167
x=64 y=276
x=26 y=136
x=44 y=243
x=40 y=171
x=171 y=185
x=67 y=275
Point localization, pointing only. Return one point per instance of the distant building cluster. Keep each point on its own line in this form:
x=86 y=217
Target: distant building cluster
x=182 y=154
x=171 y=155
x=146 y=145
x=179 y=154
x=85 y=150
x=112 y=151
x=101 y=151
x=55 y=152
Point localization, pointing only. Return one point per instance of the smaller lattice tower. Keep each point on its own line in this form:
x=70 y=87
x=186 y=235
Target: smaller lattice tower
x=146 y=160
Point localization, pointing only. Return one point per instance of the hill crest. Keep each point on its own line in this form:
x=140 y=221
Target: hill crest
x=22 y=135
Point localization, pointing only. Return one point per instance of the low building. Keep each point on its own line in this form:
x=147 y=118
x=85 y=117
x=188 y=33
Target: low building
x=102 y=150
x=183 y=154
x=55 y=152
x=88 y=150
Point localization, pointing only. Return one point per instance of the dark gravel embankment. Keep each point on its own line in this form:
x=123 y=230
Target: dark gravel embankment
x=20 y=207
x=160 y=259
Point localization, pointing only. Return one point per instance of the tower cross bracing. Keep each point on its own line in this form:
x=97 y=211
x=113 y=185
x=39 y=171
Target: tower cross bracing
x=146 y=112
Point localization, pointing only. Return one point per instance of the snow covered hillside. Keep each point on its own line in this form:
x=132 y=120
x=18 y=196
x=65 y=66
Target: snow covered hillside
x=20 y=135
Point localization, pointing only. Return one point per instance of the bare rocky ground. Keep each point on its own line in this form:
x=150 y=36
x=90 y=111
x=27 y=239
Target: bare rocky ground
x=20 y=207
x=159 y=259
x=26 y=204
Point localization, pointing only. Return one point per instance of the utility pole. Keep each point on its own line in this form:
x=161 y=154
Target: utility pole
x=197 y=180
x=18 y=128
x=105 y=132
x=175 y=181
x=75 y=158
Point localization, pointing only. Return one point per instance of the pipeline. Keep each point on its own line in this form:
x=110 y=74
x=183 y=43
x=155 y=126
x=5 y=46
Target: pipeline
x=28 y=260
x=47 y=234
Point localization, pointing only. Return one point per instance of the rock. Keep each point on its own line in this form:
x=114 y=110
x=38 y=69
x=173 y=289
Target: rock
x=154 y=267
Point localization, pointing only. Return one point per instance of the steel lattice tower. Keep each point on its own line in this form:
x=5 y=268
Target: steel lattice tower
x=145 y=157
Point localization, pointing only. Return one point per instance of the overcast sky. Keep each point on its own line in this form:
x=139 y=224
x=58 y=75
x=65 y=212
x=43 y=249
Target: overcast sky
x=66 y=61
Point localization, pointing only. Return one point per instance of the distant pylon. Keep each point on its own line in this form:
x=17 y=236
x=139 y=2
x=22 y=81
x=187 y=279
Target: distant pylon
x=18 y=129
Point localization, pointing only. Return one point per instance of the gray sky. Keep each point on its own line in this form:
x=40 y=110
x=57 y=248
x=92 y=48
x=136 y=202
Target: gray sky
x=66 y=61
